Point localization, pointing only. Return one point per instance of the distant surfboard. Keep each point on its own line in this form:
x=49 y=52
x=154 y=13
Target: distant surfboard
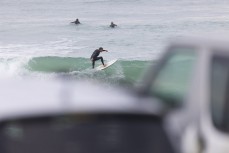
x=101 y=67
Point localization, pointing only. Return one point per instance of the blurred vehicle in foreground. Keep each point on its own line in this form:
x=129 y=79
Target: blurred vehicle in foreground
x=77 y=117
x=192 y=79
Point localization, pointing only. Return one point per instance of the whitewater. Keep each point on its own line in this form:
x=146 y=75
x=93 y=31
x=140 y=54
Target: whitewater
x=38 y=40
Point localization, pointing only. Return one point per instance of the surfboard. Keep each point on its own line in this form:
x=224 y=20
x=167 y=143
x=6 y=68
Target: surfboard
x=101 y=67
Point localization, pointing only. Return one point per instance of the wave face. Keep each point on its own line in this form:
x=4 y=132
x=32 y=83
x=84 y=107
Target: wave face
x=58 y=64
x=75 y=68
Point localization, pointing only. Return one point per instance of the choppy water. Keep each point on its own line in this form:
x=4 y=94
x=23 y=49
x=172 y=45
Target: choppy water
x=37 y=39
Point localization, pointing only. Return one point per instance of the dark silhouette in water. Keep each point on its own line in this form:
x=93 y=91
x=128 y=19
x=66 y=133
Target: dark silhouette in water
x=76 y=21
x=113 y=25
x=95 y=54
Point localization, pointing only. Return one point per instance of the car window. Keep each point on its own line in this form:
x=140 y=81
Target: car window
x=103 y=133
x=172 y=81
x=219 y=92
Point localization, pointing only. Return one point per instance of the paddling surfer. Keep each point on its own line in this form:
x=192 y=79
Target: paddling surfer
x=76 y=21
x=112 y=25
x=95 y=56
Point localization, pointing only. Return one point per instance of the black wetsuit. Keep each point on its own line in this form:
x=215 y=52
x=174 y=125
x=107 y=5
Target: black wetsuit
x=113 y=25
x=77 y=22
x=95 y=57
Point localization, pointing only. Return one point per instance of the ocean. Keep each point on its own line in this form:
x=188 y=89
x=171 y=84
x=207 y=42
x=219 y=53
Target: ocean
x=37 y=39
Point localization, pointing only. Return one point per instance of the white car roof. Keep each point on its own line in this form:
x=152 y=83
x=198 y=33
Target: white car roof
x=33 y=98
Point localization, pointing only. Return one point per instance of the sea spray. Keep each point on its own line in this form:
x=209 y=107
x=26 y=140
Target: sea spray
x=13 y=67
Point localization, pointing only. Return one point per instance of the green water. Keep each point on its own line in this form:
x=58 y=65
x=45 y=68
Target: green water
x=120 y=72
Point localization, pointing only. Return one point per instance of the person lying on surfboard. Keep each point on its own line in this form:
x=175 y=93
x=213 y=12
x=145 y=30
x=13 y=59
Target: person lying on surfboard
x=76 y=21
x=95 y=56
x=113 y=25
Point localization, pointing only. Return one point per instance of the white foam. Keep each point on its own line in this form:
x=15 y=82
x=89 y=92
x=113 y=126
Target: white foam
x=12 y=67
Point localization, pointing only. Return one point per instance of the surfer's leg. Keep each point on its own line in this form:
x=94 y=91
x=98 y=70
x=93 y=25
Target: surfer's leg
x=93 y=64
x=101 y=59
x=93 y=61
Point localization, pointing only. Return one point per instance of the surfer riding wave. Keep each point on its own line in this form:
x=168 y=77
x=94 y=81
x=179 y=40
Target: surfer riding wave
x=95 y=56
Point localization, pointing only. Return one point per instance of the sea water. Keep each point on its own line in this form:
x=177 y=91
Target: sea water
x=38 y=40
